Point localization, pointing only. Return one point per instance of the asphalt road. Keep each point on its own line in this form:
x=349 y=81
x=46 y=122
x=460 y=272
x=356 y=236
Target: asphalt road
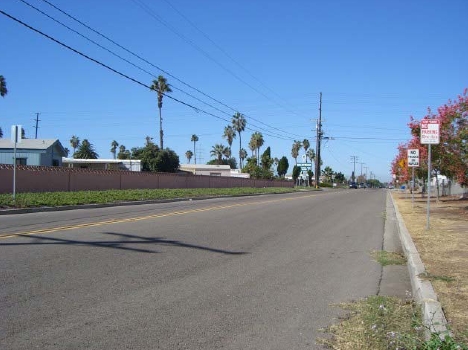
x=233 y=273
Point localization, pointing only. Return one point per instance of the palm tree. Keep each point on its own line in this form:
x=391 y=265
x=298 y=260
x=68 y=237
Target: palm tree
x=311 y=154
x=86 y=151
x=74 y=143
x=1 y=133
x=239 y=123
x=189 y=155
x=3 y=88
x=113 y=149
x=242 y=155
x=218 y=151
x=258 y=142
x=194 y=139
x=295 y=150
x=161 y=87
x=229 y=134
x=252 y=145
x=306 y=145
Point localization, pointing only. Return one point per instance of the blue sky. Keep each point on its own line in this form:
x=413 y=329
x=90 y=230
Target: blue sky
x=375 y=62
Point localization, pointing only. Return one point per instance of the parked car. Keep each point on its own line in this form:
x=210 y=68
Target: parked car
x=352 y=185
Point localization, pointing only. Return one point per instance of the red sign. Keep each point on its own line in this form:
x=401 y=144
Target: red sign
x=430 y=132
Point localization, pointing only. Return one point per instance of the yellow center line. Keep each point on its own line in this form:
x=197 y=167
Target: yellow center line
x=140 y=218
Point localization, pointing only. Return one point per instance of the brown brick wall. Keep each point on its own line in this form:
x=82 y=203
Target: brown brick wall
x=52 y=179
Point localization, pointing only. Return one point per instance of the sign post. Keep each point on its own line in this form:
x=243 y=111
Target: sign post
x=15 y=138
x=413 y=161
x=430 y=135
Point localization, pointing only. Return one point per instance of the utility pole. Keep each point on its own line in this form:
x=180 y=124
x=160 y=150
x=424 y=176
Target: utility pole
x=361 y=168
x=317 y=148
x=37 y=123
x=354 y=159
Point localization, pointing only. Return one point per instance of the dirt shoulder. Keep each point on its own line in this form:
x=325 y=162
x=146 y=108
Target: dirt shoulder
x=443 y=250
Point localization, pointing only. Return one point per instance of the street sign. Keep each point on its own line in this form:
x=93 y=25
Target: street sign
x=305 y=166
x=413 y=157
x=430 y=132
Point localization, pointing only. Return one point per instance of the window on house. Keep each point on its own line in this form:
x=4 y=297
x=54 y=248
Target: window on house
x=55 y=162
x=21 y=161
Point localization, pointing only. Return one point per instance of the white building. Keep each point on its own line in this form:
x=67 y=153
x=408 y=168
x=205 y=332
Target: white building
x=103 y=164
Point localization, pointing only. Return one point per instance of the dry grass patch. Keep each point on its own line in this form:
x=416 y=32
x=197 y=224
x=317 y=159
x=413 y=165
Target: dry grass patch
x=444 y=251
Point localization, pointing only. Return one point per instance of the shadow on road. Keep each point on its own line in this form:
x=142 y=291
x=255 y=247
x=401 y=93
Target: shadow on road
x=122 y=244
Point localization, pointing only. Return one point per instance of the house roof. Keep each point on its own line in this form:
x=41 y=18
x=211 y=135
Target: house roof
x=39 y=144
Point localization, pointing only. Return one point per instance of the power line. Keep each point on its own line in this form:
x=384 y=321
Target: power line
x=123 y=74
x=225 y=52
x=158 y=18
x=146 y=61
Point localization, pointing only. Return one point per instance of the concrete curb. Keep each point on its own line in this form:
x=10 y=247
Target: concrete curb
x=423 y=292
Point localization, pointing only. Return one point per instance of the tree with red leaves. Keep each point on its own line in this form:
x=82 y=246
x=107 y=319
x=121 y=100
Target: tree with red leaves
x=450 y=156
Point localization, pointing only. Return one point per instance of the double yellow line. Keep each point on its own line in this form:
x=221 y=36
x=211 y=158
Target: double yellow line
x=140 y=218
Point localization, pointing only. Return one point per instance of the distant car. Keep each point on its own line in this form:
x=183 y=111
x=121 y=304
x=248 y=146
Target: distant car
x=362 y=185
x=353 y=185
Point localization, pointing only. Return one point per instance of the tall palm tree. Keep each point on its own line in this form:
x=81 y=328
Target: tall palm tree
x=74 y=143
x=3 y=87
x=306 y=145
x=311 y=154
x=252 y=145
x=239 y=123
x=229 y=134
x=86 y=151
x=218 y=151
x=242 y=155
x=296 y=147
x=259 y=141
x=194 y=139
x=113 y=149
x=189 y=155
x=161 y=87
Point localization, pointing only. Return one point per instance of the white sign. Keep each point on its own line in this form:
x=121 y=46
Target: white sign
x=430 y=132
x=413 y=157
x=16 y=133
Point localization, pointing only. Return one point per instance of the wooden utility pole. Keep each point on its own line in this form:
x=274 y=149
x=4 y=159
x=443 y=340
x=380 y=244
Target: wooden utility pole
x=37 y=123
x=317 y=148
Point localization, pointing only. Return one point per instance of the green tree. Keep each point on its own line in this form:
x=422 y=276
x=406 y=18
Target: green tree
x=311 y=154
x=3 y=86
x=328 y=173
x=239 y=122
x=218 y=152
x=310 y=173
x=74 y=143
x=161 y=87
x=86 y=151
x=113 y=149
x=283 y=166
x=229 y=134
x=194 y=139
x=231 y=162
x=295 y=150
x=267 y=161
x=167 y=161
x=189 y=155
x=124 y=153
x=296 y=172
x=255 y=171
x=306 y=145
x=258 y=141
x=242 y=155
x=340 y=178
